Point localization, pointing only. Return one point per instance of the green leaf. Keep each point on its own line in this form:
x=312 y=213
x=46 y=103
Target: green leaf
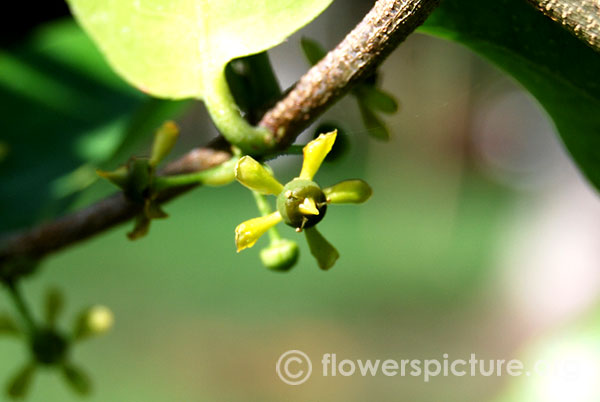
x=376 y=128
x=376 y=99
x=174 y=49
x=557 y=68
x=313 y=51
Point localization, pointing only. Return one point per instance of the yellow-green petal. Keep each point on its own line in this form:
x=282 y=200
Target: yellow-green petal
x=321 y=249
x=254 y=176
x=247 y=233
x=348 y=192
x=164 y=141
x=314 y=154
x=308 y=207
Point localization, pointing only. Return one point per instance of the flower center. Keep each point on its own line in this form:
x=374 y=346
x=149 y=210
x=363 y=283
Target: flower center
x=302 y=204
x=49 y=347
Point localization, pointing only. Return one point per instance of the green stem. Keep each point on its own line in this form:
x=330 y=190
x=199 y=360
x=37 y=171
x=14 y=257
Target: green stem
x=265 y=209
x=226 y=116
x=21 y=307
x=217 y=176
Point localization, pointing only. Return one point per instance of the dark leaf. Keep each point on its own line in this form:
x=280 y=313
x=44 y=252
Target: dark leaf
x=313 y=51
x=557 y=68
x=375 y=127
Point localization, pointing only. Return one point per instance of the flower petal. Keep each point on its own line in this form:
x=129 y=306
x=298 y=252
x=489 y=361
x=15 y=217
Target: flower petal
x=247 y=233
x=53 y=306
x=348 y=191
x=254 y=176
x=77 y=379
x=8 y=326
x=314 y=154
x=321 y=249
x=19 y=385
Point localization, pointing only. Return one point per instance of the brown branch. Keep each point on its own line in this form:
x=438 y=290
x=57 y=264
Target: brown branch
x=112 y=211
x=580 y=17
x=387 y=24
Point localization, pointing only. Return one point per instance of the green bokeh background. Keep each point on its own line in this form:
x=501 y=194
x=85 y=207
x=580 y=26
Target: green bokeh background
x=195 y=321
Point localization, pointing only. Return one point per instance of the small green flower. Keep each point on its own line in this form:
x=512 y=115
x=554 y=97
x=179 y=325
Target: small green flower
x=301 y=203
x=50 y=347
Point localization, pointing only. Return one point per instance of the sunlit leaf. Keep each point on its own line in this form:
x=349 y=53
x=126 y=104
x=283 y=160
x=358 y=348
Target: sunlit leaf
x=174 y=48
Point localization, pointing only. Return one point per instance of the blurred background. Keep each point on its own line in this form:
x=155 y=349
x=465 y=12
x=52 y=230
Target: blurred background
x=481 y=236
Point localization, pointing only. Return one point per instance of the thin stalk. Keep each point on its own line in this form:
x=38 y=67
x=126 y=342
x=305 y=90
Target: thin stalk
x=217 y=176
x=21 y=306
x=228 y=119
x=265 y=209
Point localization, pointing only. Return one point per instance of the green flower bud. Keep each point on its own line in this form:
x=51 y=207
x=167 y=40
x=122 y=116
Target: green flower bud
x=281 y=255
x=164 y=141
x=93 y=321
x=302 y=204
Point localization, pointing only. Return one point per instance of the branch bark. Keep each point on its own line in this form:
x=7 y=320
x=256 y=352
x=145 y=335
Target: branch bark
x=387 y=24
x=580 y=17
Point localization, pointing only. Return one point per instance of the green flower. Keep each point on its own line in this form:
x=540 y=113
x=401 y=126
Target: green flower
x=301 y=203
x=51 y=347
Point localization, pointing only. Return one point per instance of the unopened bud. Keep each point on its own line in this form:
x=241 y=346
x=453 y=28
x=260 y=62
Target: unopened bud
x=93 y=321
x=164 y=141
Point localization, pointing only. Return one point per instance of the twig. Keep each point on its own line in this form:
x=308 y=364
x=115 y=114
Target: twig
x=580 y=17
x=114 y=210
x=387 y=24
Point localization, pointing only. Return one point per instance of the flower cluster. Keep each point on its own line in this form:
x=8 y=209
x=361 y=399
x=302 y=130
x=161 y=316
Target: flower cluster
x=50 y=347
x=301 y=203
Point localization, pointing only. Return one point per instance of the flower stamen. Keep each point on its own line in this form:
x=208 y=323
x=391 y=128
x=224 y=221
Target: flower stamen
x=308 y=207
